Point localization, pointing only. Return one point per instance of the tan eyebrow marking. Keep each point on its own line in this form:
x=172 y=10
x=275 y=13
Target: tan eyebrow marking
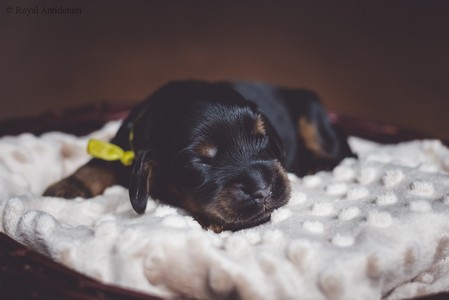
x=259 y=125
x=206 y=149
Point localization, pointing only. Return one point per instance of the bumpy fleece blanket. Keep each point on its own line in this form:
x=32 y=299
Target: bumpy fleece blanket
x=376 y=227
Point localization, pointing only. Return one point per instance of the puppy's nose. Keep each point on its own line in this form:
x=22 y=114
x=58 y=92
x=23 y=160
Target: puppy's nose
x=254 y=192
x=255 y=183
x=260 y=194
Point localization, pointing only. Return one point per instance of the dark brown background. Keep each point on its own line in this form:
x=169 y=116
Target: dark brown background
x=383 y=61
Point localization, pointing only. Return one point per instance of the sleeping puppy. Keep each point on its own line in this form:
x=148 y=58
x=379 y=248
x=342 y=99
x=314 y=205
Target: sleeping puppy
x=220 y=151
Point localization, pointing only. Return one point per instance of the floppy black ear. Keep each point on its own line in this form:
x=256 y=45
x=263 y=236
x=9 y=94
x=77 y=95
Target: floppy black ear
x=140 y=181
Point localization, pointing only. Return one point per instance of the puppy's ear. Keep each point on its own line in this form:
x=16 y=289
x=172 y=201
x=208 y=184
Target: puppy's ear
x=140 y=181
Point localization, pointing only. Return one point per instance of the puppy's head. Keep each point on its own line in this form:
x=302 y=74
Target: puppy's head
x=220 y=160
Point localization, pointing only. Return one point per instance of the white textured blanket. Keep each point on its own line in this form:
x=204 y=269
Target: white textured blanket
x=376 y=227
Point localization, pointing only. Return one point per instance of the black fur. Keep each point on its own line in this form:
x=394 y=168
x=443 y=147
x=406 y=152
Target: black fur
x=219 y=150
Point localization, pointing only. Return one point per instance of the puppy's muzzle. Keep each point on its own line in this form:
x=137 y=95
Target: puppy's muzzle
x=250 y=196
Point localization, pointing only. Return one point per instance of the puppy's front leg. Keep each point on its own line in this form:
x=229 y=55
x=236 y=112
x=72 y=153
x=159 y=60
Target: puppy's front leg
x=89 y=180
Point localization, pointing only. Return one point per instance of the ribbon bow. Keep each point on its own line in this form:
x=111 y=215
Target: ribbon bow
x=110 y=152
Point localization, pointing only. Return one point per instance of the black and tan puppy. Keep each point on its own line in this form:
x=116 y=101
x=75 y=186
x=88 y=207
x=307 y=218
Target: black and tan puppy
x=218 y=150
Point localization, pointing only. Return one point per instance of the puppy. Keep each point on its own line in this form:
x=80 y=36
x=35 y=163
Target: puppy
x=220 y=151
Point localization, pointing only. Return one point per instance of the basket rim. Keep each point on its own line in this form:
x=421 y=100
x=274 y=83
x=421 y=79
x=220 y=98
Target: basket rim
x=47 y=279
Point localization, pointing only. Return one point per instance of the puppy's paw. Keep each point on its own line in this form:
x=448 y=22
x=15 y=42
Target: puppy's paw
x=69 y=188
x=215 y=228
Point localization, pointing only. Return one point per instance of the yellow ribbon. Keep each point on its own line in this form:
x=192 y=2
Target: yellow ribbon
x=110 y=152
